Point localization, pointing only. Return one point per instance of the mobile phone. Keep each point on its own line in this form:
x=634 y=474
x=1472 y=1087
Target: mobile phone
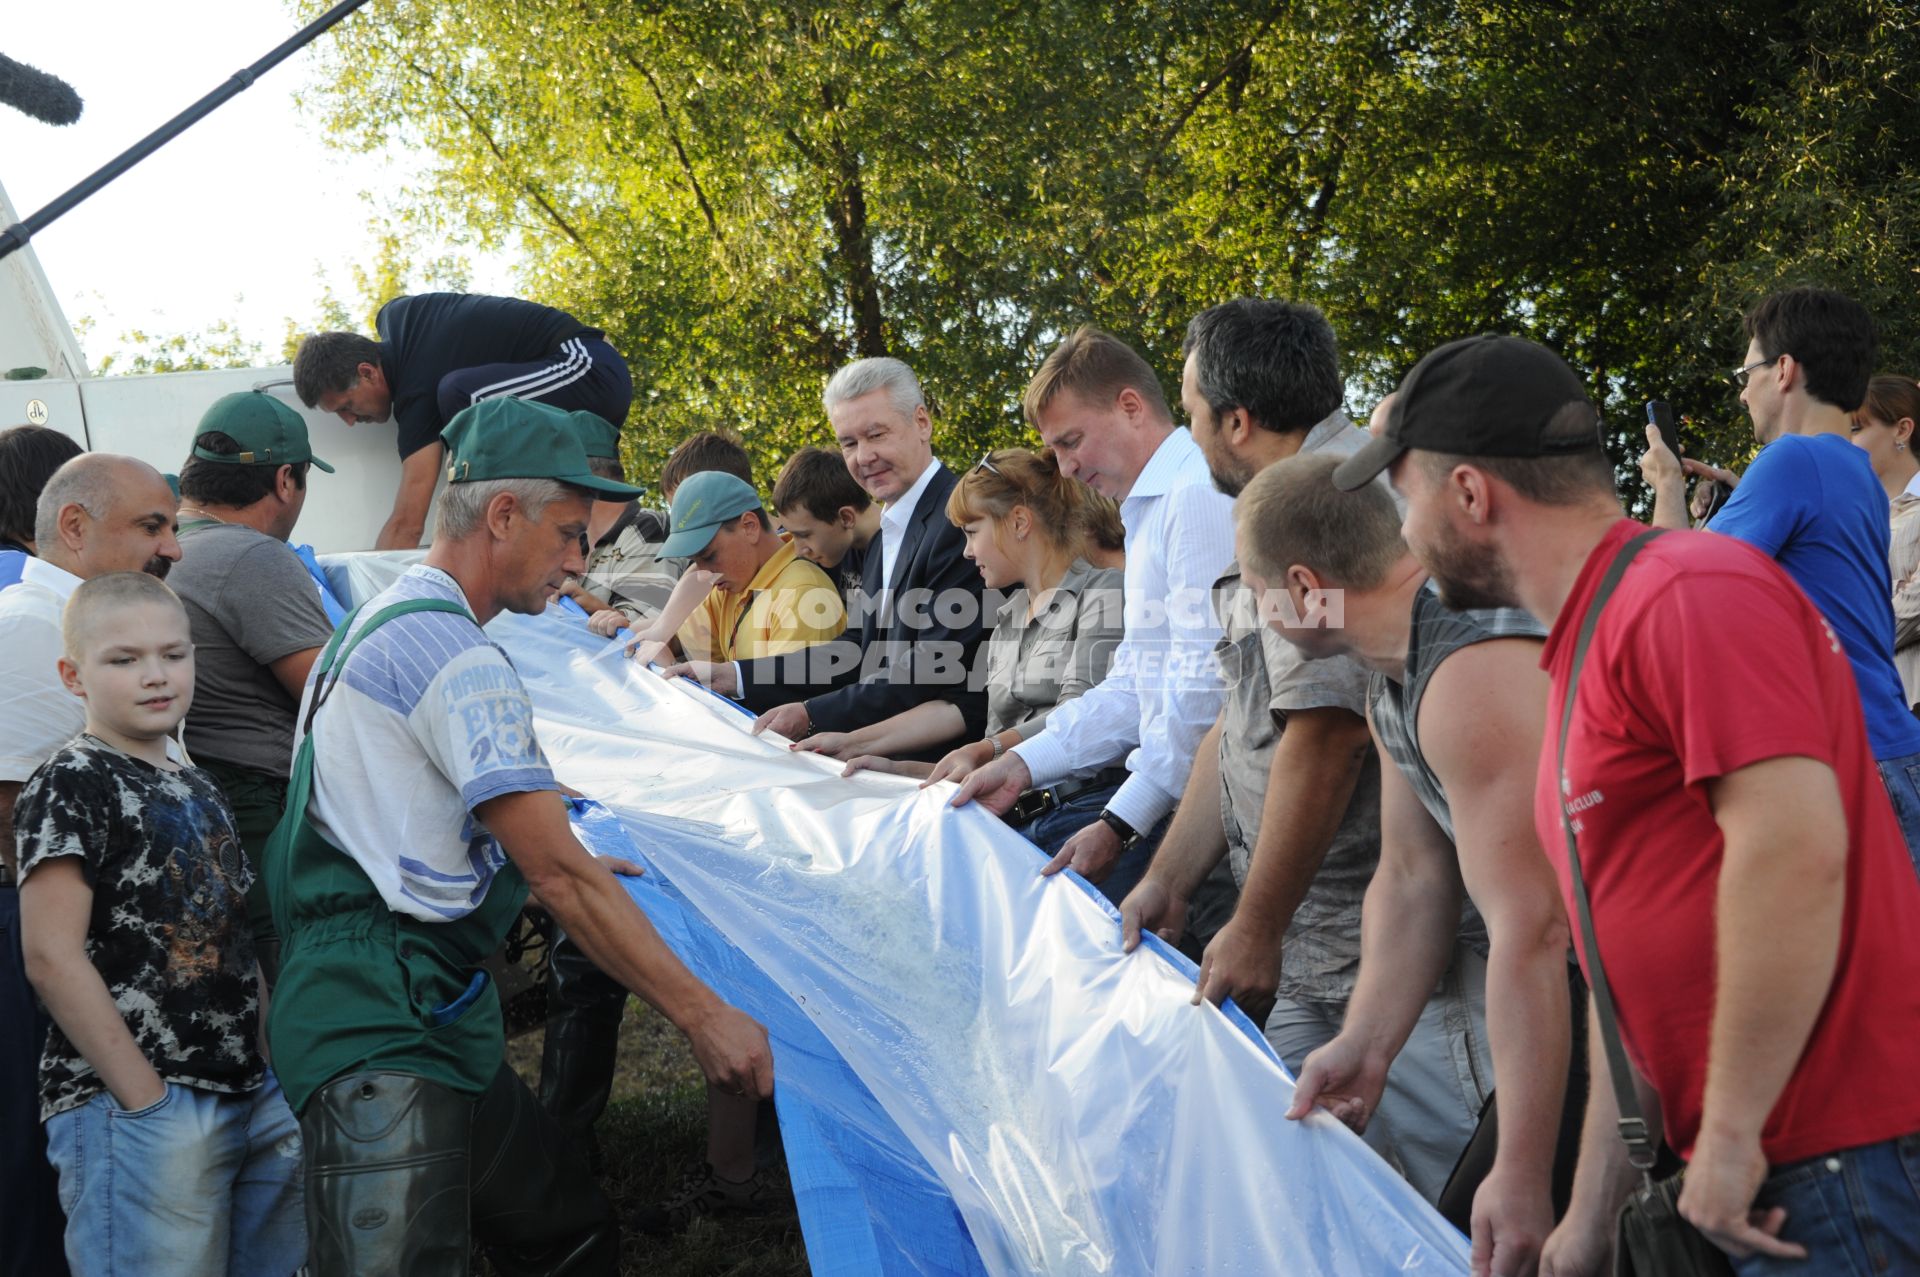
x=1660 y=417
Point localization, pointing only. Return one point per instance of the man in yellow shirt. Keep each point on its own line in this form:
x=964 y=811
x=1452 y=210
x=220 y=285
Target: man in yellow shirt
x=767 y=601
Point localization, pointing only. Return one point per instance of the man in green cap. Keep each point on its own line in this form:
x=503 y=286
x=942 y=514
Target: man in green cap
x=765 y=600
x=255 y=614
x=626 y=579
x=422 y=811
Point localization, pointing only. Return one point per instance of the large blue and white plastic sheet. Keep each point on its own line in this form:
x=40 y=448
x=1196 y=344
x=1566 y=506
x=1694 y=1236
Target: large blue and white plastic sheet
x=971 y=1076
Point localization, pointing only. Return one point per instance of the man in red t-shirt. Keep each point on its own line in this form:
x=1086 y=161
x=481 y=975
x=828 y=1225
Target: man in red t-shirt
x=1750 y=888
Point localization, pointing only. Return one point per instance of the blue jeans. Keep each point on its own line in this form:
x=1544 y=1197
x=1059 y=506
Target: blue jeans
x=1902 y=778
x=196 y=1184
x=1051 y=832
x=1857 y=1212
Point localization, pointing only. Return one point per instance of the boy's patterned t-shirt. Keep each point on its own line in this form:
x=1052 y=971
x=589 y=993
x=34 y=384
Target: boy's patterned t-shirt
x=168 y=932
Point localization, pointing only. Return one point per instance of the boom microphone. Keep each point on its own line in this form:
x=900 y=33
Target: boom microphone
x=15 y=237
x=34 y=92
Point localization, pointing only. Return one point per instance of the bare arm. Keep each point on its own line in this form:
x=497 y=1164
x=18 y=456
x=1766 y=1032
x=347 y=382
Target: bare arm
x=405 y=527
x=598 y=915
x=1482 y=721
x=290 y=671
x=1664 y=474
x=1582 y=1244
x=1316 y=764
x=1407 y=927
x=56 y=908
x=923 y=726
x=1777 y=916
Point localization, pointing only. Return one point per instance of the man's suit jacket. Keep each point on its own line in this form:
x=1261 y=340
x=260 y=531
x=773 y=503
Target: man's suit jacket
x=916 y=639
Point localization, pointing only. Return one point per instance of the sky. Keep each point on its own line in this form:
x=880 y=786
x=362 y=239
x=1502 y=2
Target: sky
x=242 y=218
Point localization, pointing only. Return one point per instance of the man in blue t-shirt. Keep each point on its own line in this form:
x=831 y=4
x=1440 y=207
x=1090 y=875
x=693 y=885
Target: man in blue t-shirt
x=1812 y=502
x=441 y=352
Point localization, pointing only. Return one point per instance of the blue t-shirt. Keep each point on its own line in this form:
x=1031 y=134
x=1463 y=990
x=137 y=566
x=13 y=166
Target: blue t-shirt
x=12 y=563
x=1815 y=505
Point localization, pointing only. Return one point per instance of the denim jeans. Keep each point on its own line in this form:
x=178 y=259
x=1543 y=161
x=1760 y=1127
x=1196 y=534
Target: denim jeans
x=1438 y=1082
x=196 y=1184
x=1856 y=1211
x=1902 y=778
x=1052 y=831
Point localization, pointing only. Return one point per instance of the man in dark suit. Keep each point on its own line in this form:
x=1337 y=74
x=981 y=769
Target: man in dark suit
x=919 y=616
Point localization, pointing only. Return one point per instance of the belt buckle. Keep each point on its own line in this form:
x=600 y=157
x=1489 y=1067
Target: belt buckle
x=1030 y=806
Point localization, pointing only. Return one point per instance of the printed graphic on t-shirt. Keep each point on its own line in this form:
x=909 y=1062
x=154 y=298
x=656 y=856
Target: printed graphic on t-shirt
x=168 y=931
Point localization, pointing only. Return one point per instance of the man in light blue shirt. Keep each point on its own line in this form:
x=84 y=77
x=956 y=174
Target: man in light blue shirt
x=1097 y=404
x=1812 y=502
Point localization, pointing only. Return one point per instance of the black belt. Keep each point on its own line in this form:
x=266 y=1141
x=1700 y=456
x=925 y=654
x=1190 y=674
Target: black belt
x=1035 y=803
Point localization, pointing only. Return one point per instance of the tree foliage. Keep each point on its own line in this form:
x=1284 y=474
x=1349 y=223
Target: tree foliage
x=746 y=195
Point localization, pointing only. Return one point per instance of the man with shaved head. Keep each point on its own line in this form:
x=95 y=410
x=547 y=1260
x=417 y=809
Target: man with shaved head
x=99 y=513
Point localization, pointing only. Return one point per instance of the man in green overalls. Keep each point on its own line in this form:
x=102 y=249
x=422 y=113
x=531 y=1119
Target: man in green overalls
x=421 y=813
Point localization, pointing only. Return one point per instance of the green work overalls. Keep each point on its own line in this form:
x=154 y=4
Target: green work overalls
x=362 y=988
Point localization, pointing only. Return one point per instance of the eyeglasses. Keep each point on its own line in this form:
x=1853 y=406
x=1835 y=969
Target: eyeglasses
x=1740 y=376
x=986 y=463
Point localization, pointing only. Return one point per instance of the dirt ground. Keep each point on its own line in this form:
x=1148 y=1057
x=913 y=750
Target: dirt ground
x=654 y=1127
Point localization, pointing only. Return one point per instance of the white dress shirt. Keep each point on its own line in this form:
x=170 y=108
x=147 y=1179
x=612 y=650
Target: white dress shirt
x=895 y=517
x=1163 y=691
x=41 y=715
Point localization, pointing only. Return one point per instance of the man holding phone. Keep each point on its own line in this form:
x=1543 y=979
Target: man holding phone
x=1811 y=501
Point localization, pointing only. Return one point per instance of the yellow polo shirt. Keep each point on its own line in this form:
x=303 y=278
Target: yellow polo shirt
x=789 y=604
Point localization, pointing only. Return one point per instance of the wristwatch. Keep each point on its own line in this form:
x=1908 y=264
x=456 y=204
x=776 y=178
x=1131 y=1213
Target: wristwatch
x=1129 y=836
x=998 y=748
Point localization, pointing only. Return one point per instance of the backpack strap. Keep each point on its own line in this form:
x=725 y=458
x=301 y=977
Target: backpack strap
x=1633 y=1124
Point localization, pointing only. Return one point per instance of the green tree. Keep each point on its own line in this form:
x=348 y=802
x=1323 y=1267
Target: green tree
x=219 y=345
x=745 y=196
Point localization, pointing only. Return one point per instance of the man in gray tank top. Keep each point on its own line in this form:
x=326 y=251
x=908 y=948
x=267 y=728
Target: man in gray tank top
x=1457 y=704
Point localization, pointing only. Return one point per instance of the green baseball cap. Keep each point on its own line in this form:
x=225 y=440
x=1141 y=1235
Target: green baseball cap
x=700 y=505
x=601 y=437
x=521 y=439
x=269 y=432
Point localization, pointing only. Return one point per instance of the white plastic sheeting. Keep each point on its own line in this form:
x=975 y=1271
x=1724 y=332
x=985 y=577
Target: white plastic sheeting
x=1082 y=1115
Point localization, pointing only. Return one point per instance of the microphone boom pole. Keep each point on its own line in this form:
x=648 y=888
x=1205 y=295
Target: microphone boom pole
x=15 y=237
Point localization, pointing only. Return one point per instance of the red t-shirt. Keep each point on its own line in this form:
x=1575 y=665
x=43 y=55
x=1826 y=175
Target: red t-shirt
x=1707 y=659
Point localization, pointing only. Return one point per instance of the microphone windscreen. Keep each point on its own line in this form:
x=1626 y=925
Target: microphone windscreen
x=34 y=92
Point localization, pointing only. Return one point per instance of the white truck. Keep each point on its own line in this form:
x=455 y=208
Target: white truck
x=44 y=382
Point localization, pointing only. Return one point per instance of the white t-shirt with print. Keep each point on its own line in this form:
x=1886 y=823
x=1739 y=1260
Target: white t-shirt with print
x=428 y=721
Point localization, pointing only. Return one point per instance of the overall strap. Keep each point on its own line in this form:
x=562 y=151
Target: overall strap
x=333 y=660
x=1633 y=1124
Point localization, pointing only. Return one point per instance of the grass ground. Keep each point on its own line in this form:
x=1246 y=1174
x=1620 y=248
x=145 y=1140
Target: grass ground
x=656 y=1124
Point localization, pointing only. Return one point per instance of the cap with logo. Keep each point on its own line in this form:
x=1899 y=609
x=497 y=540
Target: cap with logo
x=700 y=505
x=268 y=430
x=601 y=437
x=1485 y=396
x=521 y=439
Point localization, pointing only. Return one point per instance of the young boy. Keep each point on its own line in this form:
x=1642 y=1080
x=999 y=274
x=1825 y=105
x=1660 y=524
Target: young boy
x=175 y=1150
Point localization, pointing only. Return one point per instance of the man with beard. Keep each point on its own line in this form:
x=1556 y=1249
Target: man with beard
x=99 y=513
x=1289 y=786
x=1710 y=779
x=1457 y=703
